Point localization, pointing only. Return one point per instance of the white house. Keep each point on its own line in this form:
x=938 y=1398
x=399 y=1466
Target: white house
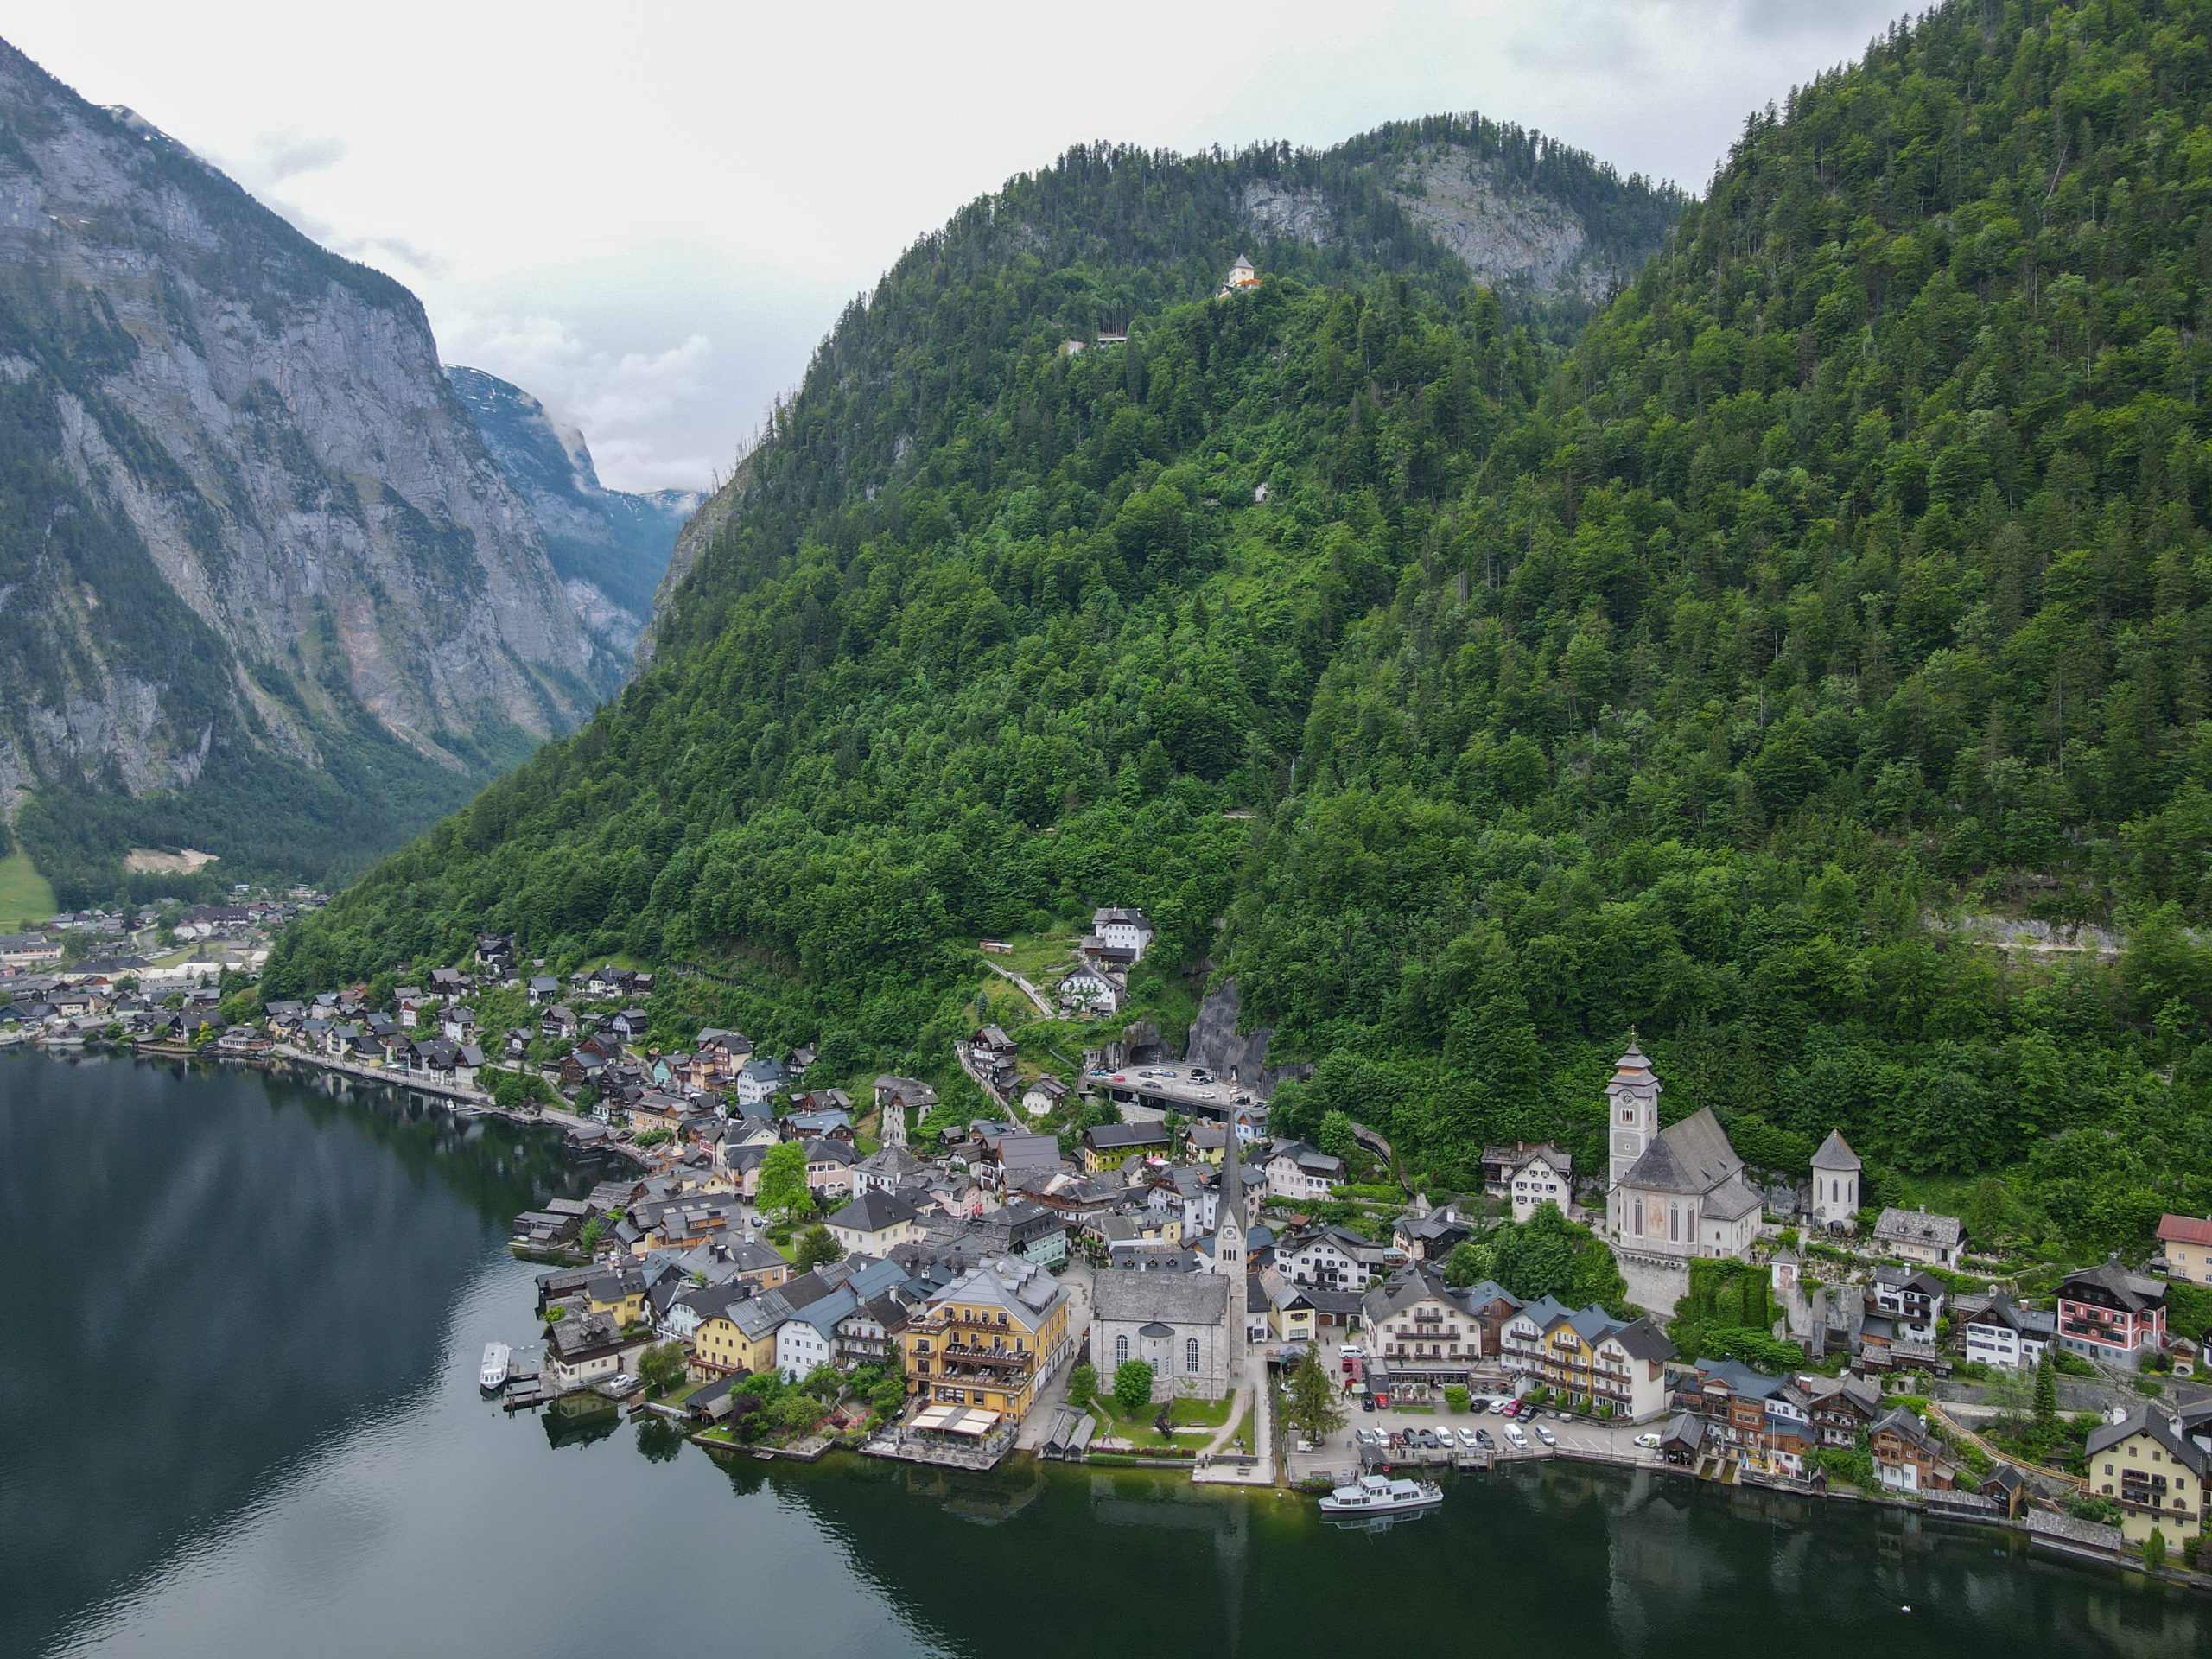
x=1332 y=1256
x=1546 y=1178
x=808 y=1336
x=1919 y=1237
x=759 y=1079
x=2002 y=1334
x=1042 y=1095
x=1298 y=1171
x=875 y=1223
x=1124 y=932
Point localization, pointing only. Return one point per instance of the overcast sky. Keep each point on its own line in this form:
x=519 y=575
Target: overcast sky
x=648 y=219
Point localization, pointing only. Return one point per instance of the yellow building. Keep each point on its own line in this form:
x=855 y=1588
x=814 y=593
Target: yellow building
x=1111 y=1145
x=989 y=1340
x=2187 y=1243
x=621 y=1296
x=741 y=1339
x=2155 y=1474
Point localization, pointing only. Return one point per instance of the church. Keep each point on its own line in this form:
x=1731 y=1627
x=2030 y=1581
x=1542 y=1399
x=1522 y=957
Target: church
x=1677 y=1192
x=1189 y=1327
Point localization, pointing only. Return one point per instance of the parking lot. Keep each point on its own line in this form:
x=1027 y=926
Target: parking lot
x=1338 y=1457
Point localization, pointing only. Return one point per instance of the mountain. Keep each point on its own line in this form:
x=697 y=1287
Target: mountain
x=1836 y=601
x=261 y=587
x=609 y=547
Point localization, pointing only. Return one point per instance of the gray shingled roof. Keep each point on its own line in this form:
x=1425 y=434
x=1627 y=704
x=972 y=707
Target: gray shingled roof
x=1180 y=1298
x=1835 y=1153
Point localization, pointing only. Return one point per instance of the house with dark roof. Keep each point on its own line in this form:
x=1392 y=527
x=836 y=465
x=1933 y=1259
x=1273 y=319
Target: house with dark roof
x=1765 y=1422
x=1108 y=1146
x=1590 y=1356
x=2107 y=1313
x=875 y=1222
x=1997 y=1331
x=1908 y=1458
x=1416 y=1326
x=1917 y=1236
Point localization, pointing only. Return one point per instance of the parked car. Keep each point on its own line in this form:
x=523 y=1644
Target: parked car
x=1367 y=1402
x=1496 y=1407
x=1513 y=1433
x=1369 y=1437
x=1307 y=1445
x=1649 y=1441
x=1482 y=1440
x=1467 y=1439
x=1428 y=1442
x=1546 y=1435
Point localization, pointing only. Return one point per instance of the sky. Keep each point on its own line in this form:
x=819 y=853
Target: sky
x=649 y=215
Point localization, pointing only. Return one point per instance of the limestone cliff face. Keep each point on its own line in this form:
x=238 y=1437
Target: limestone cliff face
x=241 y=511
x=1508 y=233
x=609 y=547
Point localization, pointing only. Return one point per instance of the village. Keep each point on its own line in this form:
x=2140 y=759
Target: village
x=1123 y=1263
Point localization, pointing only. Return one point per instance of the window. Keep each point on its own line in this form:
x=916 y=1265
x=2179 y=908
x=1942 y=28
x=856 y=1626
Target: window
x=1191 y=1355
x=1122 y=1358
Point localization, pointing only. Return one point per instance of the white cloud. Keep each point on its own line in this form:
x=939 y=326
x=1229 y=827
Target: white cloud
x=596 y=191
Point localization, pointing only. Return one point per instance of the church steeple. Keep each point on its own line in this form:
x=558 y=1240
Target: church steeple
x=1229 y=1223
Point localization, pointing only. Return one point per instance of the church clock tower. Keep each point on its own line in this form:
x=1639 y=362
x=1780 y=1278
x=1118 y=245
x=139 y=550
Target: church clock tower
x=1632 y=1111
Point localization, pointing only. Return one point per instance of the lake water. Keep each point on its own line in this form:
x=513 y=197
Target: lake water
x=238 y=1416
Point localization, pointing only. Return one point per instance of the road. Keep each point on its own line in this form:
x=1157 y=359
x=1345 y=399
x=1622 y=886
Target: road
x=1075 y=1279
x=1338 y=1457
x=1043 y=1004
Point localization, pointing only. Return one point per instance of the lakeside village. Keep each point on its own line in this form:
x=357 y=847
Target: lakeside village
x=783 y=1269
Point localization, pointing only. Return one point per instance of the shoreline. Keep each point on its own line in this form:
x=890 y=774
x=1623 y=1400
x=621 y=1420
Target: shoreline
x=469 y=1102
x=274 y=1056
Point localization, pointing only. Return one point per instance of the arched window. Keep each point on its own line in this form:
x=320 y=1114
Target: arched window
x=1120 y=1350
x=1191 y=1355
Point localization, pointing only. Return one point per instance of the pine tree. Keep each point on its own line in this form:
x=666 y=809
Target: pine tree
x=1313 y=1408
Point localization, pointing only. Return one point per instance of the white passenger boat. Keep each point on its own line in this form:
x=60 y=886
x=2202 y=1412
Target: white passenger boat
x=1381 y=1495
x=494 y=1376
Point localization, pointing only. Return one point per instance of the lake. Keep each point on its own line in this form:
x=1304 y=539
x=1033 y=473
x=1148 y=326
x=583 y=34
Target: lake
x=238 y=1416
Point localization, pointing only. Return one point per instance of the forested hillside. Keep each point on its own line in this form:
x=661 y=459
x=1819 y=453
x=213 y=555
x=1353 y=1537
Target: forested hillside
x=1846 y=582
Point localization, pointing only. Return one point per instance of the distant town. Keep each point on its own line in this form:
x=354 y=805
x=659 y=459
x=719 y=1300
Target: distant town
x=1118 y=1261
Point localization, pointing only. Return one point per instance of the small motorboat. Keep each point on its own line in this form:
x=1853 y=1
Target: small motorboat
x=494 y=1376
x=1372 y=1495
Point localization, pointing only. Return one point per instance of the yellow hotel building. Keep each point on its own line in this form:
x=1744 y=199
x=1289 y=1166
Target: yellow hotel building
x=987 y=1340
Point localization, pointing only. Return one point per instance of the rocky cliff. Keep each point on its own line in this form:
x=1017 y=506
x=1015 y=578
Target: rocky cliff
x=609 y=547
x=247 y=531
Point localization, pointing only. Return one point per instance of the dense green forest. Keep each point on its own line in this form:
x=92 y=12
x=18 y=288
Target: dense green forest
x=1845 y=583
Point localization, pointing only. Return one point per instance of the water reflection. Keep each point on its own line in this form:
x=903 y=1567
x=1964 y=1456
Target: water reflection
x=286 y=1289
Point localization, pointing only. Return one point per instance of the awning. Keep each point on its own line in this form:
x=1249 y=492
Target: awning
x=971 y=1420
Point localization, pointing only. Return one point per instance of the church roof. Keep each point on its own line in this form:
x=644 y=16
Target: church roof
x=1178 y=1298
x=1836 y=1152
x=1730 y=1201
x=1692 y=1156
x=1659 y=1170
x=1633 y=1068
x=1702 y=1145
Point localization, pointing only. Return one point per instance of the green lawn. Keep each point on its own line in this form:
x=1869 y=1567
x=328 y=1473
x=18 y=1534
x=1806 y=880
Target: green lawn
x=1138 y=1430
x=24 y=894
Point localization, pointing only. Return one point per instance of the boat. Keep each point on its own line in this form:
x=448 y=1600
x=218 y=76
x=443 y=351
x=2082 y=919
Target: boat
x=1380 y=1495
x=494 y=1376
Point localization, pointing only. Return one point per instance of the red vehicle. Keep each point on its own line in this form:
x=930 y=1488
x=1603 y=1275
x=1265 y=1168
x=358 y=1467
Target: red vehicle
x=1381 y=1401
